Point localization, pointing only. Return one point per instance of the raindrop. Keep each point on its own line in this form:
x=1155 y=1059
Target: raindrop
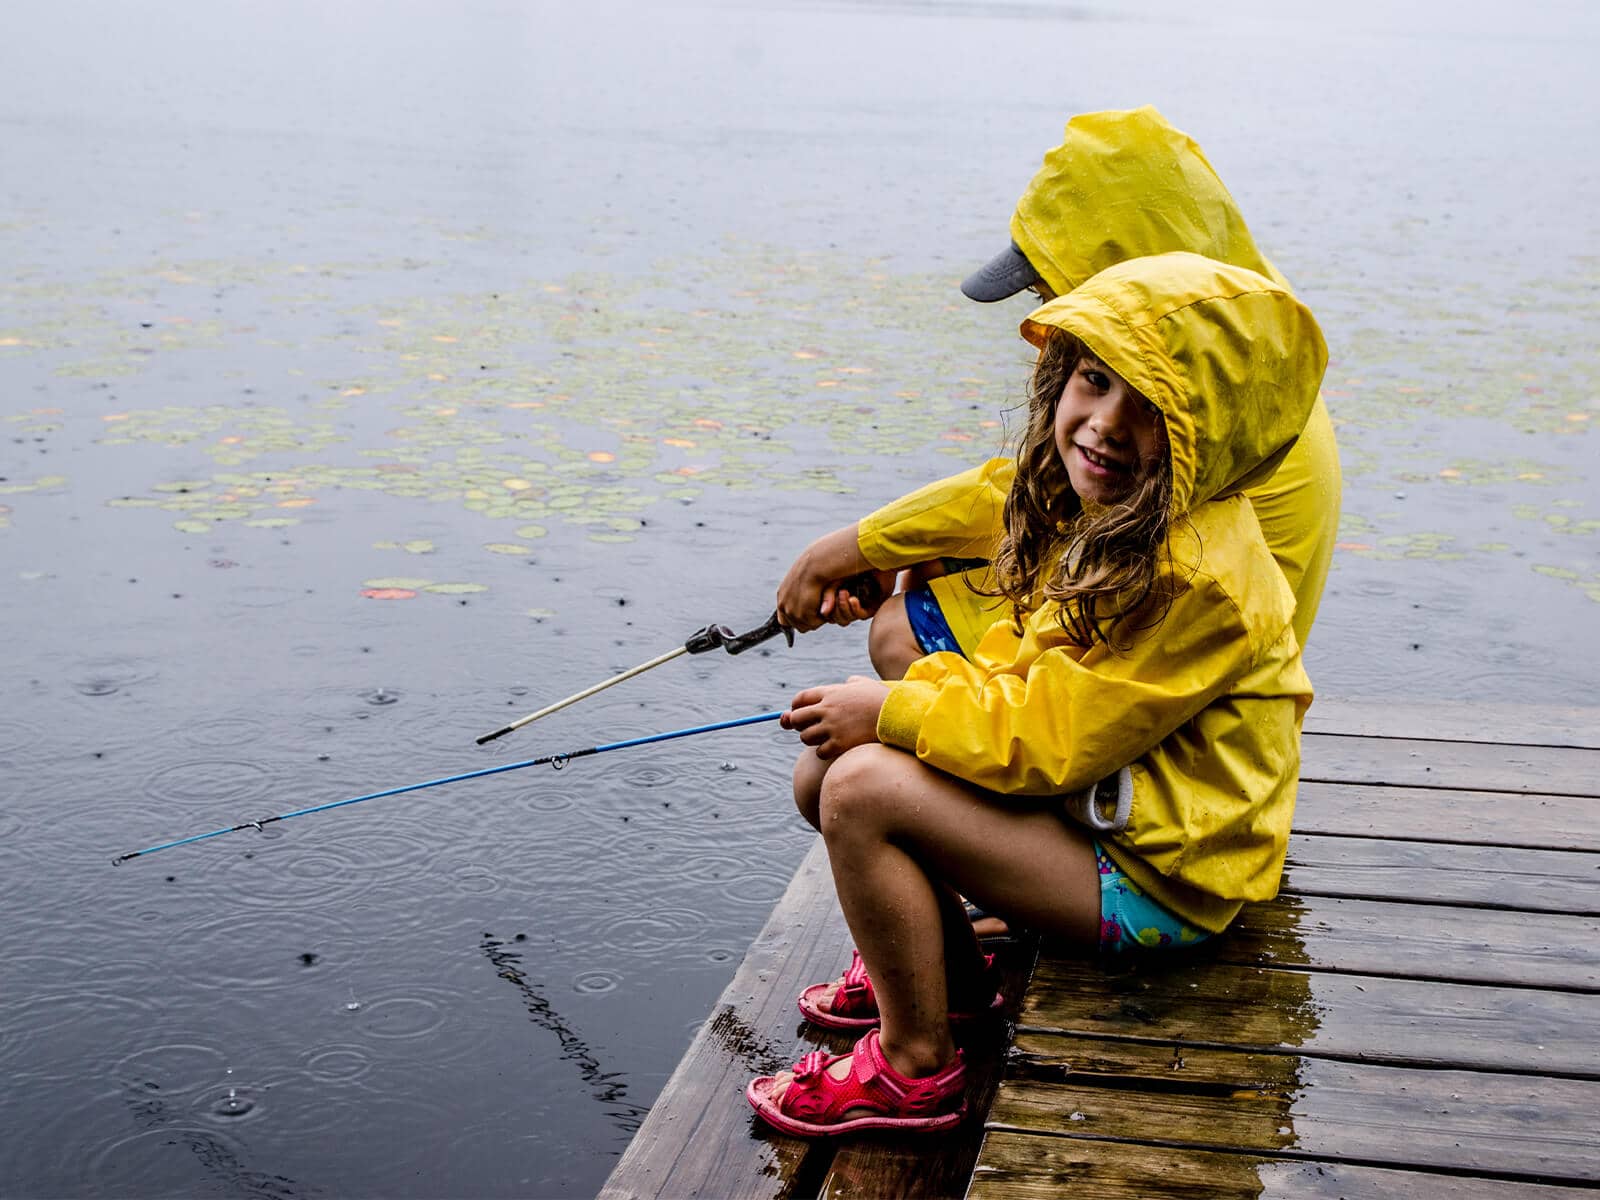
x=728 y=766
x=354 y=1005
x=233 y=1104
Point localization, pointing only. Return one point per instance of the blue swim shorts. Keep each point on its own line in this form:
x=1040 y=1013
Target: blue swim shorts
x=927 y=622
x=1130 y=920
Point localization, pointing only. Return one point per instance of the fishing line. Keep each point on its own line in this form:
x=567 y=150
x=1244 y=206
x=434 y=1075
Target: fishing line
x=553 y=760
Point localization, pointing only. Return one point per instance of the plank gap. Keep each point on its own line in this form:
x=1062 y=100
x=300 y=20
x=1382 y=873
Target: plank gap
x=1497 y=843
x=1440 y=787
x=1414 y=976
x=1448 y=740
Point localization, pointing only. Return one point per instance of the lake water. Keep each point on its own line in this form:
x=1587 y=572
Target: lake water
x=374 y=373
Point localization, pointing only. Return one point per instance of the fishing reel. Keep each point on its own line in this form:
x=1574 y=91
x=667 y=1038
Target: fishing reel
x=713 y=637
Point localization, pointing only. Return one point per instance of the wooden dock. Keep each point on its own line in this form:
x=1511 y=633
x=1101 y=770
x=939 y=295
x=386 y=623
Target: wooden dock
x=1417 y=1015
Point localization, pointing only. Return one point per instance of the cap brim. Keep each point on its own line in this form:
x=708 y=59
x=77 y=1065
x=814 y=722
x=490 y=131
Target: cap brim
x=1006 y=274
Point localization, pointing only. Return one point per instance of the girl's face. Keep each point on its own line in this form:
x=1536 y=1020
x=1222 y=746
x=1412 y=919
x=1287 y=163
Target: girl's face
x=1107 y=434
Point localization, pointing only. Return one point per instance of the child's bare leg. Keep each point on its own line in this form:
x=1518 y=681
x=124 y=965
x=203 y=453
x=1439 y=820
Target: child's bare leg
x=902 y=839
x=895 y=826
x=890 y=643
x=808 y=773
x=961 y=944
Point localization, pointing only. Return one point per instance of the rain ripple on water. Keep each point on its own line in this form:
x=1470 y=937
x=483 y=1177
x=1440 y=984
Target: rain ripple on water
x=224 y=780
x=294 y=867
x=108 y=676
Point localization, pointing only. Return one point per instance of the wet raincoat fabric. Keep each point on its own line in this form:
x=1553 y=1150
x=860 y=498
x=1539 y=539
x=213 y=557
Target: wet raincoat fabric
x=1122 y=184
x=1205 y=707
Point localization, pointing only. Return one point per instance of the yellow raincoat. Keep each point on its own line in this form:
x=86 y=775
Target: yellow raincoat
x=1206 y=707
x=1122 y=184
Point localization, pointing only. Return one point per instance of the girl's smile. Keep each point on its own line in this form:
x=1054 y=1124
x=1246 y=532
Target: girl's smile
x=1105 y=432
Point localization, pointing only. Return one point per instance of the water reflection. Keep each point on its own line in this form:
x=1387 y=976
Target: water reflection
x=608 y=1088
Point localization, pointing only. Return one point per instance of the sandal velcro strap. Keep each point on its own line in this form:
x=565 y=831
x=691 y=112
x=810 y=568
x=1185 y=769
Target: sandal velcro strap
x=815 y=1103
x=856 y=997
x=854 y=1004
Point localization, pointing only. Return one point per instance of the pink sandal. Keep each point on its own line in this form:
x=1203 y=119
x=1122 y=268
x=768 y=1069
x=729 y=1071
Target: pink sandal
x=813 y=1103
x=855 y=1005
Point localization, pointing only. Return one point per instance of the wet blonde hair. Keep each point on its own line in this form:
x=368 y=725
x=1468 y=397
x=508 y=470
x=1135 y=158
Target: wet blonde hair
x=1102 y=566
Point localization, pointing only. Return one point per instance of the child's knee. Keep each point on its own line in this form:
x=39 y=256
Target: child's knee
x=890 y=643
x=854 y=791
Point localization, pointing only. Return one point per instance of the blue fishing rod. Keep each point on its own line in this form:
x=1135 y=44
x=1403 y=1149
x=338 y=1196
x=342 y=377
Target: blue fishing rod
x=554 y=760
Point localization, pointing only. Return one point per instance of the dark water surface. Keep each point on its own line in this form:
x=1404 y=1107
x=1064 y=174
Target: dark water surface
x=375 y=373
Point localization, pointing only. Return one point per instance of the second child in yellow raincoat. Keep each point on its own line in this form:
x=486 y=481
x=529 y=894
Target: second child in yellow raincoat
x=1122 y=184
x=1150 y=644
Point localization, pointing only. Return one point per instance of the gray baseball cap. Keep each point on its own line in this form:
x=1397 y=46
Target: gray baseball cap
x=1006 y=274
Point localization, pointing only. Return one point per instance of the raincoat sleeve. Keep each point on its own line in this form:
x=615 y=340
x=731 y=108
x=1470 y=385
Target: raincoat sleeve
x=1036 y=715
x=962 y=516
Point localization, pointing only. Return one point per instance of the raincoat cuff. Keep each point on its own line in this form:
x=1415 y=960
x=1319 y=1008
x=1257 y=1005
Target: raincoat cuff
x=900 y=718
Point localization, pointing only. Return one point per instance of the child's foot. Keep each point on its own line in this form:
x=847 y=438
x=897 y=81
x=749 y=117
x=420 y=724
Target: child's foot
x=850 y=1003
x=826 y=1095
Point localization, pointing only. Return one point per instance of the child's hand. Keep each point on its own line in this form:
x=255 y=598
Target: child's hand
x=842 y=606
x=837 y=717
x=808 y=594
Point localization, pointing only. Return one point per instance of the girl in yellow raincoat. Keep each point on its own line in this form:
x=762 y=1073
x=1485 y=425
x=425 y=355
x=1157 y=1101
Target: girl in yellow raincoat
x=1116 y=763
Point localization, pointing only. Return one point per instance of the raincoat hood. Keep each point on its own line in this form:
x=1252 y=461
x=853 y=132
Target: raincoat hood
x=1230 y=357
x=1123 y=184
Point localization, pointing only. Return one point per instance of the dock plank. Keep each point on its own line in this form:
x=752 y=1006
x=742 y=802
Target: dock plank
x=1529 y=1126
x=1459 y=721
x=1448 y=815
x=1024 y=1166
x=1554 y=881
x=1419 y=941
x=1358 y=1017
x=1343 y=758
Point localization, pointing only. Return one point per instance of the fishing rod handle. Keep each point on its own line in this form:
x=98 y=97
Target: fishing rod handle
x=864 y=586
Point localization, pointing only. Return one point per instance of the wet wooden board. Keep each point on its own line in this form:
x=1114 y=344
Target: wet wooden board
x=1420 y=941
x=1413 y=1017
x=1359 y=1017
x=1339 y=758
x=1460 y=721
x=1448 y=816
x=1553 y=881
x=1022 y=1166
x=1510 y=1126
